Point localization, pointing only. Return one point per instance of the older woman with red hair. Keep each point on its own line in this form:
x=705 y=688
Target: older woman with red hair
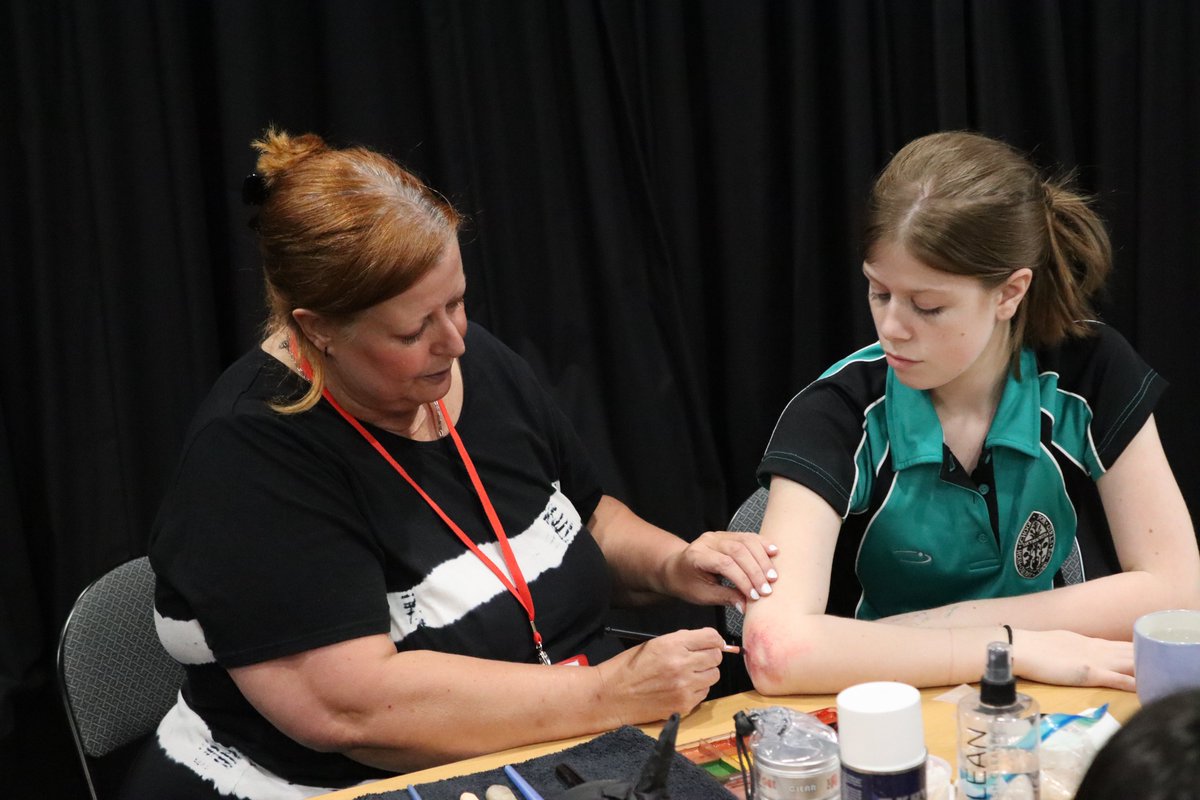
x=385 y=547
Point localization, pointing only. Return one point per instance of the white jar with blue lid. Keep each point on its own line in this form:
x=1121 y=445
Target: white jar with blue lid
x=881 y=736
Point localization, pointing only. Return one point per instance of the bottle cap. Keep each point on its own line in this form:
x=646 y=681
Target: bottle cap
x=880 y=727
x=998 y=686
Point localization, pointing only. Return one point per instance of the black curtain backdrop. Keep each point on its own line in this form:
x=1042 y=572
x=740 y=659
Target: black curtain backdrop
x=664 y=201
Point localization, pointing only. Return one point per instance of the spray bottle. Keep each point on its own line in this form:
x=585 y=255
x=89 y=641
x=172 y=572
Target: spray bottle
x=998 y=735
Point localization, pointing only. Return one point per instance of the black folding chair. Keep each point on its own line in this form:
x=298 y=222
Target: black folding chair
x=116 y=679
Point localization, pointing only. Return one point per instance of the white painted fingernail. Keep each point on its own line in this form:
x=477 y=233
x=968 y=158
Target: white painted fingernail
x=772 y=548
x=772 y=574
x=741 y=608
x=766 y=588
x=753 y=594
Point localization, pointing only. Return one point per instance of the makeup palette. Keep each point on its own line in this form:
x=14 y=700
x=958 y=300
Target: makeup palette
x=718 y=757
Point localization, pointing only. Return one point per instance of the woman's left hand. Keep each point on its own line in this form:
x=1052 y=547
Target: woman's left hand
x=744 y=559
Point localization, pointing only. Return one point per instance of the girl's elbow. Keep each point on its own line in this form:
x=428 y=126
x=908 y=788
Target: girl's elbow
x=1189 y=594
x=766 y=682
x=1181 y=584
x=775 y=657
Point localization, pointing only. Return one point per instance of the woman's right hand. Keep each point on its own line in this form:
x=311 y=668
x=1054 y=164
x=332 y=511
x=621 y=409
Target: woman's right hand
x=1065 y=658
x=666 y=675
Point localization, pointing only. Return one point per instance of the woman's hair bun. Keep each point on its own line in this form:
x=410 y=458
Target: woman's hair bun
x=279 y=151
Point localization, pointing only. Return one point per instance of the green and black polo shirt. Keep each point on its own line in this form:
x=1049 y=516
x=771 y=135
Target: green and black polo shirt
x=919 y=531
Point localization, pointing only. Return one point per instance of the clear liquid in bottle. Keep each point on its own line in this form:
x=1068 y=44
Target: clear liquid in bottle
x=998 y=736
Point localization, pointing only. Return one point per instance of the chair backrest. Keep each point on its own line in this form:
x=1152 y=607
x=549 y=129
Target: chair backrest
x=748 y=517
x=116 y=679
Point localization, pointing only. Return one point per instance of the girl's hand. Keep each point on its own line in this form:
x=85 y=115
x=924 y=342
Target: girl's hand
x=1071 y=659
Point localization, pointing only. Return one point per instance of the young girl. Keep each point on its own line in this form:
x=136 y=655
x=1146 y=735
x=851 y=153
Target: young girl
x=989 y=469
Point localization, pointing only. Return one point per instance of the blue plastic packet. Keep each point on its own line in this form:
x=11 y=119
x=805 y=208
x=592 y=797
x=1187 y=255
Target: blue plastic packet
x=1052 y=723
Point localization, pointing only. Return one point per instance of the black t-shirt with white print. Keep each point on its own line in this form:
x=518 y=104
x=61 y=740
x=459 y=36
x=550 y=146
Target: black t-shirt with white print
x=286 y=533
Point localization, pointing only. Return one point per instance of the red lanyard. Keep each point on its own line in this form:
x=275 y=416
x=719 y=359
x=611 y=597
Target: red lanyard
x=521 y=589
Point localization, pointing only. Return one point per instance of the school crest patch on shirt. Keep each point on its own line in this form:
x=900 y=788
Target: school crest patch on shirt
x=1035 y=545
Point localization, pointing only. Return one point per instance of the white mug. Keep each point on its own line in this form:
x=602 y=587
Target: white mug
x=1166 y=653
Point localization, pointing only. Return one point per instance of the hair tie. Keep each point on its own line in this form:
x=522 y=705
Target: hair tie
x=1048 y=195
x=254 y=190
x=1008 y=630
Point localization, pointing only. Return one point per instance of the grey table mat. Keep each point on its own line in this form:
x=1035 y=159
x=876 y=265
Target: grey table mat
x=619 y=754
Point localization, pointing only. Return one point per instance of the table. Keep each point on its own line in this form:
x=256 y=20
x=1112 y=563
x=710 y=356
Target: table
x=715 y=717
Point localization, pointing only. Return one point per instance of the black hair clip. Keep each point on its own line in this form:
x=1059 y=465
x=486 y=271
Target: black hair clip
x=254 y=190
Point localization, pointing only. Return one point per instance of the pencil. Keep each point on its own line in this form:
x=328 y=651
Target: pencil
x=630 y=636
x=643 y=636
